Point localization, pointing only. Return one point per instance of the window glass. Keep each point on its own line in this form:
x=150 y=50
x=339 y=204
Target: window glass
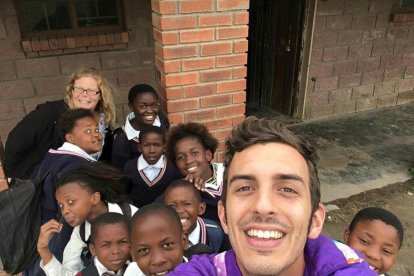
x=44 y=15
x=96 y=12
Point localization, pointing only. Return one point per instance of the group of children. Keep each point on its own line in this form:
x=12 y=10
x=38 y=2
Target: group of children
x=171 y=178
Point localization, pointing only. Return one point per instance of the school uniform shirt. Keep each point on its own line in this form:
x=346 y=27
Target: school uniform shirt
x=72 y=262
x=142 y=190
x=214 y=186
x=125 y=145
x=207 y=232
x=134 y=270
x=96 y=268
x=150 y=171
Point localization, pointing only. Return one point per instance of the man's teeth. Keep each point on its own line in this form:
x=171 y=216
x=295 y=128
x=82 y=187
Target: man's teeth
x=372 y=267
x=192 y=169
x=161 y=273
x=266 y=234
x=149 y=117
x=184 y=220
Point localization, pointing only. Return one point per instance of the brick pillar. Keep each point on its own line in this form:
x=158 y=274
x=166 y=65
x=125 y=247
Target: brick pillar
x=201 y=57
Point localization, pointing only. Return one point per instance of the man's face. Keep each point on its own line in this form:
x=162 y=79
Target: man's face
x=268 y=210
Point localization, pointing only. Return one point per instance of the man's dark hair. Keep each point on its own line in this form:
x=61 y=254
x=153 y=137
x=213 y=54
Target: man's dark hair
x=191 y=130
x=108 y=218
x=376 y=213
x=69 y=118
x=139 y=89
x=254 y=131
x=185 y=184
x=152 y=129
x=156 y=208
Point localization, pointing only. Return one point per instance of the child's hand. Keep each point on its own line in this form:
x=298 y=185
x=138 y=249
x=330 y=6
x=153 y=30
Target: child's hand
x=47 y=230
x=197 y=181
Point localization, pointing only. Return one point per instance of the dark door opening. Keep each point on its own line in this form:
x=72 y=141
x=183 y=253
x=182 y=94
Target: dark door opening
x=275 y=38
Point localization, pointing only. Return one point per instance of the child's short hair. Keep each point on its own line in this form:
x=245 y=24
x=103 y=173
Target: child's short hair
x=108 y=218
x=152 y=129
x=186 y=184
x=157 y=208
x=194 y=130
x=138 y=89
x=376 y=213
x=68 y=120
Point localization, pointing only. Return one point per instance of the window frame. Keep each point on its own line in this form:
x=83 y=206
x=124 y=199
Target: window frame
x=75 y=30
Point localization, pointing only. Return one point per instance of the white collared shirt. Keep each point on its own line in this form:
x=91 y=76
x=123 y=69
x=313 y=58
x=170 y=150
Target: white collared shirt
x=74 y=149
x=150 y=171
x=102 y=269
x=130 y=131
x=194 y=236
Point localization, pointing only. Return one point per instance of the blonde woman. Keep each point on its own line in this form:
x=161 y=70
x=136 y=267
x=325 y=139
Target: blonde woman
x=36 y=133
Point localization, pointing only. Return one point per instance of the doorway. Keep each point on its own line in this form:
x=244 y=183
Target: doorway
x=275 y=39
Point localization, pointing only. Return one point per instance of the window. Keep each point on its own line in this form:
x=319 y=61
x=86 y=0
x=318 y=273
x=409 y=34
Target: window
x=54 y=27
x=402 y=11
x=70 y=16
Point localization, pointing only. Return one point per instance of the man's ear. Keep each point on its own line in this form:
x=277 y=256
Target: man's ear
x=92 y=249
x=318 y=218
x=222 y=216
x=201 y=208
x=209 y=155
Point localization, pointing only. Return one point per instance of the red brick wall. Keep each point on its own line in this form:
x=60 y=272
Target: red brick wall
x=359 y=60
x=25 y=82
x=201 y=53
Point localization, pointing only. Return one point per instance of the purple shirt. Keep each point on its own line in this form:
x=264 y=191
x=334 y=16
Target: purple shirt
x=323 y=257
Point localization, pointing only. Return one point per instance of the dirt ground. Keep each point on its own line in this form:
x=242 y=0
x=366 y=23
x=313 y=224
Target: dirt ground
x=397 y=198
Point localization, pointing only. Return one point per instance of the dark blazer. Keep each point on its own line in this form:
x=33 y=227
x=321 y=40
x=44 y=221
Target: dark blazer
x=31 y=138
x=89 y=270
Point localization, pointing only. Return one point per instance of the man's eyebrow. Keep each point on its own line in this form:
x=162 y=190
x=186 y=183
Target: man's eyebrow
x=281 y=176
x=242 y=177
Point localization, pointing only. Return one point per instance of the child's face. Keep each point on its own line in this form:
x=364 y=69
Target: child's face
x=376 y=241
x=188 y=207
x=111 y=245
x=152 y=147
x=145 y=107
x=85 y=134
x=192 y=158
x=157 y=244
x=75 y=203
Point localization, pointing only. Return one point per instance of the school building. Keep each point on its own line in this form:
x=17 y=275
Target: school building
x=213 y=61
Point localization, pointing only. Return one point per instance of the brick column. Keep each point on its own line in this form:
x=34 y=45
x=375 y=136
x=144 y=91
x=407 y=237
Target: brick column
x=201 y=57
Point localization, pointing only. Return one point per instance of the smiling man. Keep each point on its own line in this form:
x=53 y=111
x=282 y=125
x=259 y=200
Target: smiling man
x=270 y=208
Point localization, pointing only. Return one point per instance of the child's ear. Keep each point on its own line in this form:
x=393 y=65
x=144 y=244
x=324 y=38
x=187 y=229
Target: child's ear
x=347 y=233
x=139 y=147
x=222 y=216
x=185 y=240
x=92 y=249
x=96 y=198
x=69 y=138
x=201 y=208
x=318 y=218
x=131 y=107
x=209 y=155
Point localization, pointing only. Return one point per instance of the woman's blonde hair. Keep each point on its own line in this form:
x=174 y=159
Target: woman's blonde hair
x=106 y=103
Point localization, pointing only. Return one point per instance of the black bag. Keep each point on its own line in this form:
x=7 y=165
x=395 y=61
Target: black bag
x=20 y=209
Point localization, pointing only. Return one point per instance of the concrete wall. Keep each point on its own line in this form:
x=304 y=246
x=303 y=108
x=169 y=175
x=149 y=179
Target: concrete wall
x=359 y=59
x=25 y=82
